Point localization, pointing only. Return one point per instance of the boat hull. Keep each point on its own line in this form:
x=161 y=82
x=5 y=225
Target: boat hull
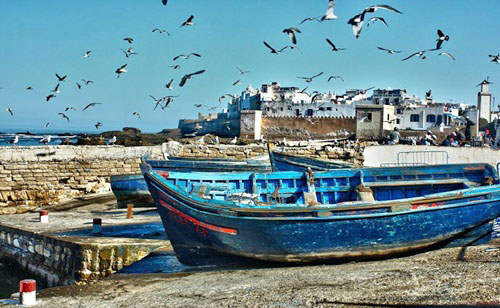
x=287 y=162
x=131 y=189
x=203 y=237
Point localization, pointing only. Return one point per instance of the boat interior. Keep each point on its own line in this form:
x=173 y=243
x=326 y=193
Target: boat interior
x=331 y=187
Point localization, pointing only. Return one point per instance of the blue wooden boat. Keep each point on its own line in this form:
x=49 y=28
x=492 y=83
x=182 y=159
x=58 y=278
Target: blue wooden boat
x=311 y=217
x=287 y=162
x=132 y=189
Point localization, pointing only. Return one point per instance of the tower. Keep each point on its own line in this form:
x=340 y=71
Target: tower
x=484 y=101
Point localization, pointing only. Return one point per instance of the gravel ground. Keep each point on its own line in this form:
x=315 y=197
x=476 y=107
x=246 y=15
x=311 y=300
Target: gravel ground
x=432 y=278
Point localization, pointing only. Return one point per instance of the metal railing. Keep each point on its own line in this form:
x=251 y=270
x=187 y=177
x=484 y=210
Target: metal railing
x=422 y=158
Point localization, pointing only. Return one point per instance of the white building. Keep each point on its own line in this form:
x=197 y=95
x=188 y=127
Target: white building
x=484 y=101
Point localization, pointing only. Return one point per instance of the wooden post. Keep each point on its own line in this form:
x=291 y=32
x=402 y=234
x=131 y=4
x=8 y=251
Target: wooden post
x=130 y=208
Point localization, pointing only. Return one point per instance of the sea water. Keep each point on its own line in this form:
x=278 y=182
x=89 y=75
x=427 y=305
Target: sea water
x=34 y=137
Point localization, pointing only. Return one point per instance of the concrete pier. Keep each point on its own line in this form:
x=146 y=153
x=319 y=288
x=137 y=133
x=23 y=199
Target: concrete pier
x=58 y=259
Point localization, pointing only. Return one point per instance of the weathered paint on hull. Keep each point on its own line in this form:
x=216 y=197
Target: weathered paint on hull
x=320 y=238
x=286 y=162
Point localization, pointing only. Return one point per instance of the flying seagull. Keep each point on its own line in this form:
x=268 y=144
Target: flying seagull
x=63 y=115
x=87 y=82
x=389 y=51
x=90 y=105
x=45 y=140
x=49 y=97
x=329 y=15
x=160 y=31
x=421 y=54
x=120 y=70
x=309 y=79
x=29 y=88
x=9 y=110
x=56 y=89
x=277 y=51
x=79 y=86
x=242 y=71
x=236 y=82
x=129 y=52
x=188 y=22
x=335 y=77
x=187 y=56
x=428 y=94
x=175 y=67
x=157 y=101
x=62 y=79
x=97 y=125
x=291 y=33
x=373 y=19
x=135 y=113
x=334 y=48
x=47 y=124
x=169 y=84
x=167 y=102
x=69 y=108
x=357 y=21
x=129 y=40
x=189 y=76
x=87 y=54
x=441 y=38
x=447 y=54
x=310 y=19
x=164 y=2
x=495 y=58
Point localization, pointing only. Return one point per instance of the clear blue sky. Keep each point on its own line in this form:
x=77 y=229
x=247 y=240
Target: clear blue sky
x=41 y=38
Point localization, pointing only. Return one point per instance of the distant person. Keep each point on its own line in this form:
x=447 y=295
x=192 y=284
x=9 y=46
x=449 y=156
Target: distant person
x=430 y=138
x=394 y=136
x=447 y=142
x=460 y=136
x=468 y=129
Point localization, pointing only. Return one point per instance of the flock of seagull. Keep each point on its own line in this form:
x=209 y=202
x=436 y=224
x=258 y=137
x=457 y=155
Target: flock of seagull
x=357 y=24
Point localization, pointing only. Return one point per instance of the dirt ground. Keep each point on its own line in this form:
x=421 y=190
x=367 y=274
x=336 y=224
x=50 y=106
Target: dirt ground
x=432 y=278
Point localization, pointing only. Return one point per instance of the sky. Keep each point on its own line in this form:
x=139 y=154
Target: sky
x=41 y=38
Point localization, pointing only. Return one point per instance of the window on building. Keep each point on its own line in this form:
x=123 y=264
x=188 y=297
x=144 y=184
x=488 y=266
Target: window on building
x=297 y=112
x=281 y=108
x=309 y=113
x=415 y=118
x=431 y=118
x=321 y=109
x=396 y=100
x=388 y=117
x=386 y=101
x=364 y=116
x=289 y=108
x=398 y=111
x=267 y=109
x=329 y=108
x=398 y=121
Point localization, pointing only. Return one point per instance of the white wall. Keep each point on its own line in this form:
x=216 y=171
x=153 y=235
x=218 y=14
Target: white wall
x=380 y=154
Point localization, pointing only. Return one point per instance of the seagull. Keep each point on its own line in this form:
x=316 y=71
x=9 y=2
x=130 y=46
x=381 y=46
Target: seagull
x=69 y=108
x=62 y=79
x=187 y=56
x=217 y=141
x=129 y=52
x=9 y=110
x=56 y=89
x=495 y=58
x=169 y=84
x=79 y=86
x=309 y=79
x=188 y=22
x=45 y=140
x=161 y=31
x=373 y=19
x=389 y=51
x=303 y=90
x=167 y=102
x=310 y=19
x=135 y=113
x=447 y=54
x=63 y=115
x=29 y=88
x=49 y=97
x=242 y=71
x=189 y=76
x=111 y=141
x=87 y=54
x=15 y=140
x=277 y=51
x=226 y=95
x=47 y=124
x=421 y=54
x=357 y=21
x=120 y=70
x=175 y=67
x=335 y=77
x=129 y=40
x=334 y=48
x=90 y=105
x=329 y=15
x=157 y=101
x=97 y=125
x=87 y=82
x=442 y=37
x=291 y=33
x=234 y=140
x=365 y=90
x=428 y=94
x=164 y=2
x=236 y=82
